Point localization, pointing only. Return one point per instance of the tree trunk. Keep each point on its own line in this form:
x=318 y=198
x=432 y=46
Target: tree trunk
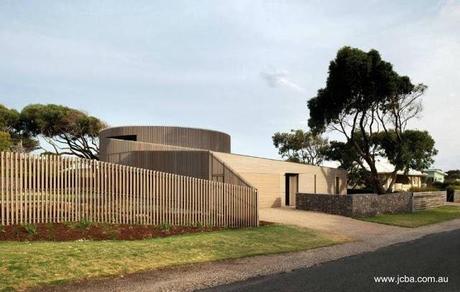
x=375 y=180
x=392 y=181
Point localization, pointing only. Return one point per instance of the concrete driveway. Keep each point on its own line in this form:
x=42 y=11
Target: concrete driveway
x=340 y=225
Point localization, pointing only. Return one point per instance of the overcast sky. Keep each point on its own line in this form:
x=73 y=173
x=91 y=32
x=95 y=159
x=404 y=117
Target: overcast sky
x=243 y=67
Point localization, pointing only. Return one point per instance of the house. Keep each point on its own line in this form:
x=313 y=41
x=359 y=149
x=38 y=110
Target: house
x=206 y=154
x=404 y=180
x=435 y=175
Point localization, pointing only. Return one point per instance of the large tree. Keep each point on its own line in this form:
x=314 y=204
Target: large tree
x=68 y=131
x=369 y=103
x=300 y=146
x=12 y=135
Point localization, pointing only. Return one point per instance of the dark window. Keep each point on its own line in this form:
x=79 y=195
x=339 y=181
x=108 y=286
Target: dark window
x=402 y=179
x=125 y=137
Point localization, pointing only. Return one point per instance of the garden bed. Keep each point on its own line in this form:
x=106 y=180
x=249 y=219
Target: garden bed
x=93 y=231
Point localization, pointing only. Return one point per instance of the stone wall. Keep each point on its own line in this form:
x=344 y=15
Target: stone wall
x=372 y=204
x=355 y=205
x=428 y=200
x=332 y=204
x=369 y=204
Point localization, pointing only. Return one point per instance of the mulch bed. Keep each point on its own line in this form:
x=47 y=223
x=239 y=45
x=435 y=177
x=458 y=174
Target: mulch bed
x=76 y=231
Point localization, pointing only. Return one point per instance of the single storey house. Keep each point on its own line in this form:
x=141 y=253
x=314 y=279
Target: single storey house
x=206 y=154
x=435 y=175
x=404 y=180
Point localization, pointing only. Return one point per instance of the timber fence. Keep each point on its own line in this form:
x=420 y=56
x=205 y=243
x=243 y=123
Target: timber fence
x=54 y=189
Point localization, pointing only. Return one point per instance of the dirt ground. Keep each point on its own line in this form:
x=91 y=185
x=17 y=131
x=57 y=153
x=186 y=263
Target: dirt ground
x=91 y=231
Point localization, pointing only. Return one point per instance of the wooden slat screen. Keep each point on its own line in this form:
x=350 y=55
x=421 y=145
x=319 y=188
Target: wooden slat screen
x=54 y=189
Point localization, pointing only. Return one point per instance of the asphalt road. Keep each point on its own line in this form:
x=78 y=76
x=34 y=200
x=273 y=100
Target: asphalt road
x=435 y=255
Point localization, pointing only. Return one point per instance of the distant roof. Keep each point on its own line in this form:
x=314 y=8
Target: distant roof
x=435 y=170
x=384 y=166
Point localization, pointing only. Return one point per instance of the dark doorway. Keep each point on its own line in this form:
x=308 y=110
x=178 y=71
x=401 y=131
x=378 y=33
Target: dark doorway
x=292 y=187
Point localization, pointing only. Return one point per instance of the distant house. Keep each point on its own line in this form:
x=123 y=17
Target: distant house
x=404 y=181
x=435 y=175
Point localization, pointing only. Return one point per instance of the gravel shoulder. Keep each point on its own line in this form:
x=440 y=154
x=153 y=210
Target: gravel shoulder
x=198 y=276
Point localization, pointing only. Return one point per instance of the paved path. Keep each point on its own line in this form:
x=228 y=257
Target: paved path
x=369 y=237
x=433 y=256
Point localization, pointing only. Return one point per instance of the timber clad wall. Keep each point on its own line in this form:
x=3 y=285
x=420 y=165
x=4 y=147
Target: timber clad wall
x=206 y=154
x=193 y=162
x=43 y=189
x=174 y=136
x=428 y=200
x=268 y=176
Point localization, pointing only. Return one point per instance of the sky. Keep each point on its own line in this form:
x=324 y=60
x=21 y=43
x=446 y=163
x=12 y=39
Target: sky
x=246 y=68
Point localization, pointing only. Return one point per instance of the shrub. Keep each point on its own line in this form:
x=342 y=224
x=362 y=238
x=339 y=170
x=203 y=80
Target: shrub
x=360 y=191
x=31 y=229
x=84 y=223
x=165 y=226
x=424 y=189
x=199 y=225
x=453 y=187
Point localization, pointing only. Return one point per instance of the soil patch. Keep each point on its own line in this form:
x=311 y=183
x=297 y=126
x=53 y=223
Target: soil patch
x=93 y=231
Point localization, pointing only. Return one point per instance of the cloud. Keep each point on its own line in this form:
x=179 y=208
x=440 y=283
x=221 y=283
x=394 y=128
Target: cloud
x=280 y=79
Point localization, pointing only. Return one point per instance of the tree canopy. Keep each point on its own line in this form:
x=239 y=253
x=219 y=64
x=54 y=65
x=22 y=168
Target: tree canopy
x=453 y=175
x=12 y=135
x=68 y=131
x=371 y=105
x=300 y=146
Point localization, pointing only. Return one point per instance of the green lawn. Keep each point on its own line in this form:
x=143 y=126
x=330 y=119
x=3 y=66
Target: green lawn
x=28 y=264
x=419 y=218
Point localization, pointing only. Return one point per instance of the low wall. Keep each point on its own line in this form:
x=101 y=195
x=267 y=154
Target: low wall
x=355 y=205
x=372 y=204
x=428 y=200
x=369 y=204
x=332 y=204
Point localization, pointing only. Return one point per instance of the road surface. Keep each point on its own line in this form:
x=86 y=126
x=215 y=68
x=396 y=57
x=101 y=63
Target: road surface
x=430 y=257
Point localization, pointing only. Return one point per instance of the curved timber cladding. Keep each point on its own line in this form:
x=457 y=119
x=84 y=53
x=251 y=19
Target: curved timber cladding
x=183 y=151
x=172 y=136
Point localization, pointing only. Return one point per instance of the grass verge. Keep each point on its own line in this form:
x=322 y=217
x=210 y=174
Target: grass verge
x=419 y=218
x=29 y=264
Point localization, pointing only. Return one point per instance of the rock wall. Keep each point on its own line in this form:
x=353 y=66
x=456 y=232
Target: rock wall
x=358 y=205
